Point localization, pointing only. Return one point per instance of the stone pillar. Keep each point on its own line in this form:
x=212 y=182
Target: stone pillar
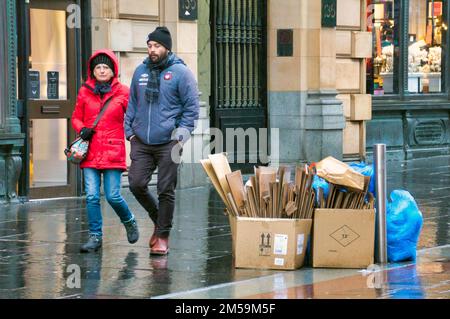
x=302 y=87
x=324 y=115
x=324 y=124
x=286 y=88
x=11 y=138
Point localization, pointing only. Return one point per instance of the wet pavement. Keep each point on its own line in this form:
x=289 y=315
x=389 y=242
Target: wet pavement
x=40 y=240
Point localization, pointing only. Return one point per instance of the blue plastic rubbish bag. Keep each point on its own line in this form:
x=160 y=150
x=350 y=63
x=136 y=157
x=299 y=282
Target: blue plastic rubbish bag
x=403 y=225
x=319 y=182
x=366 y=170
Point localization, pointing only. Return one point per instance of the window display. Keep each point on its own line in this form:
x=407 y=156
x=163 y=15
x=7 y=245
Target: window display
x=425 y=51
x=426 y=28
x=383 y=24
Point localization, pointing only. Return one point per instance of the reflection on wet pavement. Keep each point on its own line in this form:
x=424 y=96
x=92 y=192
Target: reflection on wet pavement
x=424 y=280
x=39 y=244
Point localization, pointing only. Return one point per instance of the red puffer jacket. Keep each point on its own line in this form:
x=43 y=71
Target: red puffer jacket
x=107 y=146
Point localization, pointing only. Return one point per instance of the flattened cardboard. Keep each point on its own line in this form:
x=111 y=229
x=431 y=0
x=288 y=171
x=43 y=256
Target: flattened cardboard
x=221 y=168
x=212 y=175
x=339 y=173
x=251 y=194
x=254 y=184
x=236 y=183
x=264 y=186
x=269 y=243
x=343 y=238
x=233 y=204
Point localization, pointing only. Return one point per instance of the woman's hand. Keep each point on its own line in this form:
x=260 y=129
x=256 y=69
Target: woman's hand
x=86 y=133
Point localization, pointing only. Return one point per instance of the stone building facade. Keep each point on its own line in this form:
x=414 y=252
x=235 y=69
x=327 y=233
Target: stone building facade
x=308 y=77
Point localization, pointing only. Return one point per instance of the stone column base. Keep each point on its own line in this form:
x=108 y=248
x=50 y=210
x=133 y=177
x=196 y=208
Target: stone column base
x=324 y=125
x=10 y=166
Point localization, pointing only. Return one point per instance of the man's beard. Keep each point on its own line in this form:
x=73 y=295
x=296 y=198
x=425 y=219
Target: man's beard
x=159 y=58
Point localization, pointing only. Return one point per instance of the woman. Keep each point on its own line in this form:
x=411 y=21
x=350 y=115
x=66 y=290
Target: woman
x=106 y=155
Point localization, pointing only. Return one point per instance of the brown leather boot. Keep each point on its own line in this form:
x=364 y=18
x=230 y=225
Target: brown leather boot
x=152 y=240
x=161 y=246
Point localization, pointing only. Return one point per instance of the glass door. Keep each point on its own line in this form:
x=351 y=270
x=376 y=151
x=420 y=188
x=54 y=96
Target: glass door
x=51 y=99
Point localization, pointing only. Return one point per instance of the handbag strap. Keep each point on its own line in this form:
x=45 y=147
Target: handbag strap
x=99 y=116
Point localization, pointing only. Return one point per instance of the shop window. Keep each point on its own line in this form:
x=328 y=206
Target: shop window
x=425 y=46
x=382 y=69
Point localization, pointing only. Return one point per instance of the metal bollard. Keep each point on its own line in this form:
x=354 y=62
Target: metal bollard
x=381 y=184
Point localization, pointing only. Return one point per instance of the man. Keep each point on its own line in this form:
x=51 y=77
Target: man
x=162 y=110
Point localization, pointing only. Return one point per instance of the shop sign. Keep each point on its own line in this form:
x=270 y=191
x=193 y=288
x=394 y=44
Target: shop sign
x=188 y=9
x=329 y=10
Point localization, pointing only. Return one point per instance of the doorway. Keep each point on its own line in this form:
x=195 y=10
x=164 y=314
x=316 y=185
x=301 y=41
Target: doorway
x=52 y=82
x=239 y=75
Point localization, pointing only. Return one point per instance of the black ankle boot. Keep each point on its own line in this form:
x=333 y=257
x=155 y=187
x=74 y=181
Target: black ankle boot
x=94 y=243
x=132 y=231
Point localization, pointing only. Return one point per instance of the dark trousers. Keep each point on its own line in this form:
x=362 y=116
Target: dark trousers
x=144 y=160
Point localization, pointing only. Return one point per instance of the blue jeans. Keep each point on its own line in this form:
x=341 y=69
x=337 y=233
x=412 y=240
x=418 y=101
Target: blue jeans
x=111 y=180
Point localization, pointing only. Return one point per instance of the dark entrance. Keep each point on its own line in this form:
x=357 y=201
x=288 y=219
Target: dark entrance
x=239 y=89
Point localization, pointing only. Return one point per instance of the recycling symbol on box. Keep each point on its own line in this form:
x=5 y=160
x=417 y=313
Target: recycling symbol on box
x=344 y=236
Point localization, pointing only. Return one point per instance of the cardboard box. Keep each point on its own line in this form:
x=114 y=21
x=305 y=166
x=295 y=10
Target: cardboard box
x=269 y=243
x=343 y=238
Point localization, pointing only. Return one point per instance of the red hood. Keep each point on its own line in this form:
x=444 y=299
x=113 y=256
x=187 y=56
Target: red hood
x=113 y=58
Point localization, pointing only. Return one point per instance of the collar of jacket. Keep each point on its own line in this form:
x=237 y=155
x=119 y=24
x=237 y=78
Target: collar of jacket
x=170 y=60
x=90 y=85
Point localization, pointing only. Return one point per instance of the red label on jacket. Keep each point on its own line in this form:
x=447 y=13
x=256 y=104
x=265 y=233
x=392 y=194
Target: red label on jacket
x=168 y=76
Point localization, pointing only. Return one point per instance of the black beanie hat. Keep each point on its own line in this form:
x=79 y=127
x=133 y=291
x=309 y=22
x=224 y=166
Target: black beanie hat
x=102 y=59
x=161 y=35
